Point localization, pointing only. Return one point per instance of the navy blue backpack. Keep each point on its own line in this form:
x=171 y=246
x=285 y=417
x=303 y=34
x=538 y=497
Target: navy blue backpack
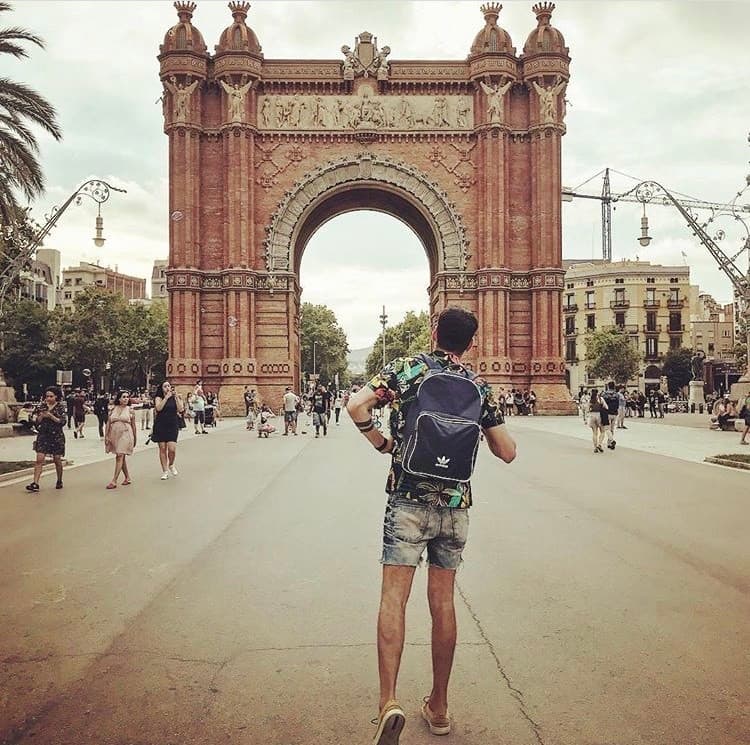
x=441 y=433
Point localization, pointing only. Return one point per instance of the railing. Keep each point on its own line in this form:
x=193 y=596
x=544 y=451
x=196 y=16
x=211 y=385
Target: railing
x=676 y=302
x=676 y=329
x=651 y=329
x=625 y=328
x=571 y=331
x=623 y=303
x=571 y=308
x=651 y=303
x=590 y=306
x=652 y=356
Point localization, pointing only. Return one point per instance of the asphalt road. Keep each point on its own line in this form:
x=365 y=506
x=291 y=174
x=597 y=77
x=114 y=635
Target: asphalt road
x=604 y=600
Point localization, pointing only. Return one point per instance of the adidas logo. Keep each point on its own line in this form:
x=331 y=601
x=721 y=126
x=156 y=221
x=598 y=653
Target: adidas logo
x=442 y=462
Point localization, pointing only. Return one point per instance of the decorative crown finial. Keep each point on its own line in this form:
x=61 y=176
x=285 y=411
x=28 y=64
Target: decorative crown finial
x=543 y=12
x=239 y=9
x=491 y=11
x=185 y=9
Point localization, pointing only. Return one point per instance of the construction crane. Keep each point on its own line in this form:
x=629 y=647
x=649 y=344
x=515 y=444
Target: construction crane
x=607 y=199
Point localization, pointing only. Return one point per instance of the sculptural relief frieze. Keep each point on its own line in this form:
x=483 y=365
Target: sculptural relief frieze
x=365 y=111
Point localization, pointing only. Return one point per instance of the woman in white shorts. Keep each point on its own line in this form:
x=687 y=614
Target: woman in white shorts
x=597 y=405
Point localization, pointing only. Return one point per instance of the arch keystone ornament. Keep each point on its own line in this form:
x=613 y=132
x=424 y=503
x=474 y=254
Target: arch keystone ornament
x=264 y=151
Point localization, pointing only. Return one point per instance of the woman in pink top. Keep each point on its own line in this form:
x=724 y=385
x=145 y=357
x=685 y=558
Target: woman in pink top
x=120 y=437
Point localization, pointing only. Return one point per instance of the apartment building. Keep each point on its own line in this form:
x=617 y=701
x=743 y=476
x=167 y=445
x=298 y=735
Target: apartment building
x=77 y=279
x=651 y=303
x=159 y=281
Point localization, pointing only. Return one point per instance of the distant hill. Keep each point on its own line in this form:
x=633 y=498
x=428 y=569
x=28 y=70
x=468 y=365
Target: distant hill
x=356 y=360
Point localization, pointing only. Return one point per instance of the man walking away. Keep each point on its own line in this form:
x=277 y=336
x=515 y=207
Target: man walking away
x=290 y=411
x=69 y=401
x=612 y=399
x=424 y=509
x=652 y=404
x=101 y=409
x=320 y=411
x=660 y=403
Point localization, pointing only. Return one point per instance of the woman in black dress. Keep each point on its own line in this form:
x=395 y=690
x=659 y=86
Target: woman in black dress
x=168 y=409
x=50 y=440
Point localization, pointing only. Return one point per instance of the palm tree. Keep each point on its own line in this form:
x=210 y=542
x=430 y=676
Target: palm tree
x=20 y=106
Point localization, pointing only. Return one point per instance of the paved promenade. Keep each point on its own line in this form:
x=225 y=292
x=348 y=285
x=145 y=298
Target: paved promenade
x=603 y=599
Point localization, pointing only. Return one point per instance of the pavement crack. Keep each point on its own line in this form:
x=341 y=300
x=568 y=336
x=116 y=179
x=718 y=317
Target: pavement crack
x=515 y=692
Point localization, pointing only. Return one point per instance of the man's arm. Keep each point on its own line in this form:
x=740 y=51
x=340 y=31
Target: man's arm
x=501 y=444
x=359 y=409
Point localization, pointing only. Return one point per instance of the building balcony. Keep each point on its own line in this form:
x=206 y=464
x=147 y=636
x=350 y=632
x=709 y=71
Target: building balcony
x=571 y=308
x=652 y=357
x=676 y=302
x=655 y=329
x=651 y=303
x=621 y=304
x=676 y=329
x=571 y=331
x=625 y=328
x=572 y=360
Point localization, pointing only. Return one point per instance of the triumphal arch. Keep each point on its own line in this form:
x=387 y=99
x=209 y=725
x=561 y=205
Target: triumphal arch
x=263 y=151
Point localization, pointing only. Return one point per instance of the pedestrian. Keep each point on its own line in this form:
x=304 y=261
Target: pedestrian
x=519 y=402
x=199 y=410
x=69 y=399
x=622 y=410
x=661 y=401
x=50 y=418
x=641 y=405
x=597 y=418
x=248 y=396
x=652 y=404
x=745 y=415
x=584 y=401
x=101 y=409
x=212 y=409
x=79 y=413
x=265 y=427
x=426 y=511
x=168 y=411
x=291 y=401
x=609 y=418
x=319 y=411
x=337 y=404
x=532 y=403
x=146 y=407
x=121 y=438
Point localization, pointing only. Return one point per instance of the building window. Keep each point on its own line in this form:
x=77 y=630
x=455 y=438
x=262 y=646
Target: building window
x=589 y=283
x=650 y=321
x=619 y=319
x=650 y=280
x=570 y=325
x=161 y=290
x=619 y=280
x=570 y=350
x=68 y=281
x=619 y=296
x=68 y=295
x=590 y=299
x=725 y=332
x=570 y=299
x=675 y=321
x=652 y=347
x=674 y=280
x=674 y=295
x=79 y=280
x=675 y=342
x=569 y=286
x=710 y=347
x=650 y=295
x=590 y=322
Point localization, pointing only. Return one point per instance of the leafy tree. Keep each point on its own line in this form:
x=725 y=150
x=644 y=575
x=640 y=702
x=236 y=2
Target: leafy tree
x=20 y=107
x=677 y=369
x=411 y=336
x=26 y=356
x=319 y=325
x=611 y=356
x=740 y=346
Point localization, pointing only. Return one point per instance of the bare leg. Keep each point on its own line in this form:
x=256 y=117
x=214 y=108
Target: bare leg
x=744 y=435
x=118 y=467
x=440 y=584
x=125 y=471
x=391 y=626
x=38 y=467
x=163 y=456
x=171 y=452
x=593 y=436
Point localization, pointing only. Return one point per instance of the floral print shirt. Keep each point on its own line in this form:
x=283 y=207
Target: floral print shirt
x=396 y=386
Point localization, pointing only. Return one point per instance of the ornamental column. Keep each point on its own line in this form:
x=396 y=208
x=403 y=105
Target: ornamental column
x=183 y=71
x=545 y=70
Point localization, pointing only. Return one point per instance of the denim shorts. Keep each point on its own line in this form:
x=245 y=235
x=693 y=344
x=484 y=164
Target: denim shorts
x=410 y=526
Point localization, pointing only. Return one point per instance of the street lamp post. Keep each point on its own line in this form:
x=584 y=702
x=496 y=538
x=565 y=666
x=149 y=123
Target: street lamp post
x=383 y=321
x=646 y=191
x=94 y=189
x=314 y=370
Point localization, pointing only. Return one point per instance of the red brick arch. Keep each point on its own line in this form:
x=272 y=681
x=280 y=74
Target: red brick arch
x=263 y=152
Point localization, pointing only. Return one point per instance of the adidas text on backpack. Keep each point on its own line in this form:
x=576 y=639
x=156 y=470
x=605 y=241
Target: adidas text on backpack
x=441 y=433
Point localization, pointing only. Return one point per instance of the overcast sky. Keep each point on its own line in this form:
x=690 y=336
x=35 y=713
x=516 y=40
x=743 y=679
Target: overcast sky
x=658 y=90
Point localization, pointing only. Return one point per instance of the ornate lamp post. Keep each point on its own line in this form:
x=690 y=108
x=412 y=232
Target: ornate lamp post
x=647 y=191
x=383 y=321
x=95 y=189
